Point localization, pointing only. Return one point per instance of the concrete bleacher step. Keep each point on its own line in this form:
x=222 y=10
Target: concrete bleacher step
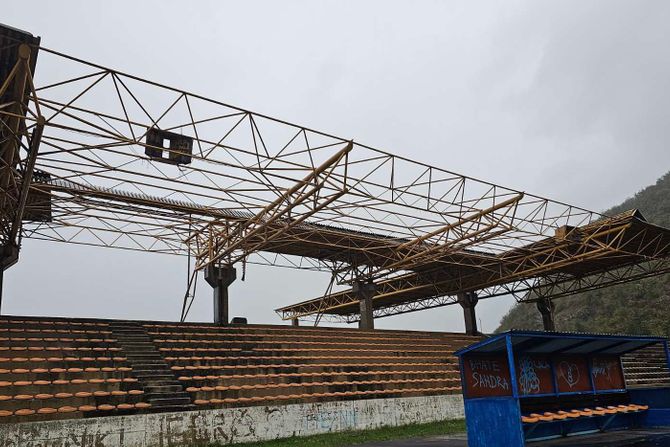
x=162 y=389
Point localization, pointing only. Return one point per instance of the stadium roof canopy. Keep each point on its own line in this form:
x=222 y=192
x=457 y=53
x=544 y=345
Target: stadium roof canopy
x=95 y=156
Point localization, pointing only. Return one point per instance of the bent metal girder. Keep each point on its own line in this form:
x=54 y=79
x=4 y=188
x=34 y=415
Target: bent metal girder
x=129 y=163
x=95 y=132
x=612 y=251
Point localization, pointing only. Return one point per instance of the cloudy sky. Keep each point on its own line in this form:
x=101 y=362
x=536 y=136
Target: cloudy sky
x=565 y=99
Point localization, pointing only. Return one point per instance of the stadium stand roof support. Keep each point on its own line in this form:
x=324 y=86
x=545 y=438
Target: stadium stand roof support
x=128 y=163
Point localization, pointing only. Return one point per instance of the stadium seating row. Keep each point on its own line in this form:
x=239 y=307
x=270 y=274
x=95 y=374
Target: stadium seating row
x=248 y=365
x=57 y=368
x=52 y=369
x=550 y=416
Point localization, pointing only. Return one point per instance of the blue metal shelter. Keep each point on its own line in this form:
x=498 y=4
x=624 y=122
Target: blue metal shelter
x=523 y=386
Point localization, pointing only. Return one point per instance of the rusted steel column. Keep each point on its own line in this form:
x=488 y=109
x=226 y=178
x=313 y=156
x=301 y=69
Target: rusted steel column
x=468 y=301
x=546 y=308
x=220 y=277
x=365 y=292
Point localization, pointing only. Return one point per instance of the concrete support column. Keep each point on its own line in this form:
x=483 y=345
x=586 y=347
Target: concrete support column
x=546 y=308
x=220 y=277
x=365 y=292
x=2 y=278
x=468 y=301
x=295 y=322
x=9 y=255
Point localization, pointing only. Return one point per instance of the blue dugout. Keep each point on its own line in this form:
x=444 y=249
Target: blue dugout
x=525 y=386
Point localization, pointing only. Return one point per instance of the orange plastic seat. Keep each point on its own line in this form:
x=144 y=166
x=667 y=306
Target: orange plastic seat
x=135 y=392
x=101 y=393
x=24 y=412
x=5 y=413
x=85 y=408
x=66 y=409
x=555 y=416
x=598 y=412
x=623 y=408
x=142 y=405
x=568 y=414
x=44 y=396
x=83 y=394
x=46 y=410
x=585 y=412
x=23 y=397
x=201 y=402
x=125 y=406
x=63 y=395
x=607 y=410
x=119 y=393
x=106 y=407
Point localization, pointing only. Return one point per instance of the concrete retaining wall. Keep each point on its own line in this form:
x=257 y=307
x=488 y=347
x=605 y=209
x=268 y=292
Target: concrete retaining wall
x=231 y=425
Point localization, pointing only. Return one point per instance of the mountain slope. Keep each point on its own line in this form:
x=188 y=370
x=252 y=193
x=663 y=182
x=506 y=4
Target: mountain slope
x=634 y=308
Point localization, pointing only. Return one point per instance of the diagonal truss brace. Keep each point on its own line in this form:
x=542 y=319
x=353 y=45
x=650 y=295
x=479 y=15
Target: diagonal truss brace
x=237 y=242
x=486 y=224
x=16 y=174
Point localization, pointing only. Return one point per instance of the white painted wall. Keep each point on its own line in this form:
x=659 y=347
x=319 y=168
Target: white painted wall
x=231 y=425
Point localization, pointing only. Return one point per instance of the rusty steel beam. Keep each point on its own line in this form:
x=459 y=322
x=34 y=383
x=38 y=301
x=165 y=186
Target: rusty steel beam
x=241 y=185
x=222 y=244
x=528 y=264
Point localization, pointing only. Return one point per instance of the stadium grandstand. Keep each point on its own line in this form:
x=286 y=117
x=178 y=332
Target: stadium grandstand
x=97 y=157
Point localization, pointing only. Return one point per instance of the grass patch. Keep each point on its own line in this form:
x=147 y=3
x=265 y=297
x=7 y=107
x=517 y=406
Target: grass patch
x=359 y=437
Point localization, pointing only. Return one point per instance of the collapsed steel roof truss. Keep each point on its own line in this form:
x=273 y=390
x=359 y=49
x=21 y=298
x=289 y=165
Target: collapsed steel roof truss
x=129 y=163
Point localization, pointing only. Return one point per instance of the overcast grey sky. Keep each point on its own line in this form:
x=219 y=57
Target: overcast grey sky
x=565 y=99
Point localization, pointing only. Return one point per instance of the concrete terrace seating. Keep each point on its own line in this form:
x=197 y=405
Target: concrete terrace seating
x=54 y=368
x=646 y=368
x=246 y=365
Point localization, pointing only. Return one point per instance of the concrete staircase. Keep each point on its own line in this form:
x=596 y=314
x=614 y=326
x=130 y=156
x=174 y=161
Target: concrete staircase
x=162 y=389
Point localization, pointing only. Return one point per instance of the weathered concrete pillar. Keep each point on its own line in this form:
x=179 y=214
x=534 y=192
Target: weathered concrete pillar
x=468 y=301
x=9 y=255
x=365 y=292
x=546 y=308
x=295 y=322
x=2 y=278
x=220 y=277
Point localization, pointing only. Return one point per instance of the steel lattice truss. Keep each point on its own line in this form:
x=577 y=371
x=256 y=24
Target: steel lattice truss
x=259 y=189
